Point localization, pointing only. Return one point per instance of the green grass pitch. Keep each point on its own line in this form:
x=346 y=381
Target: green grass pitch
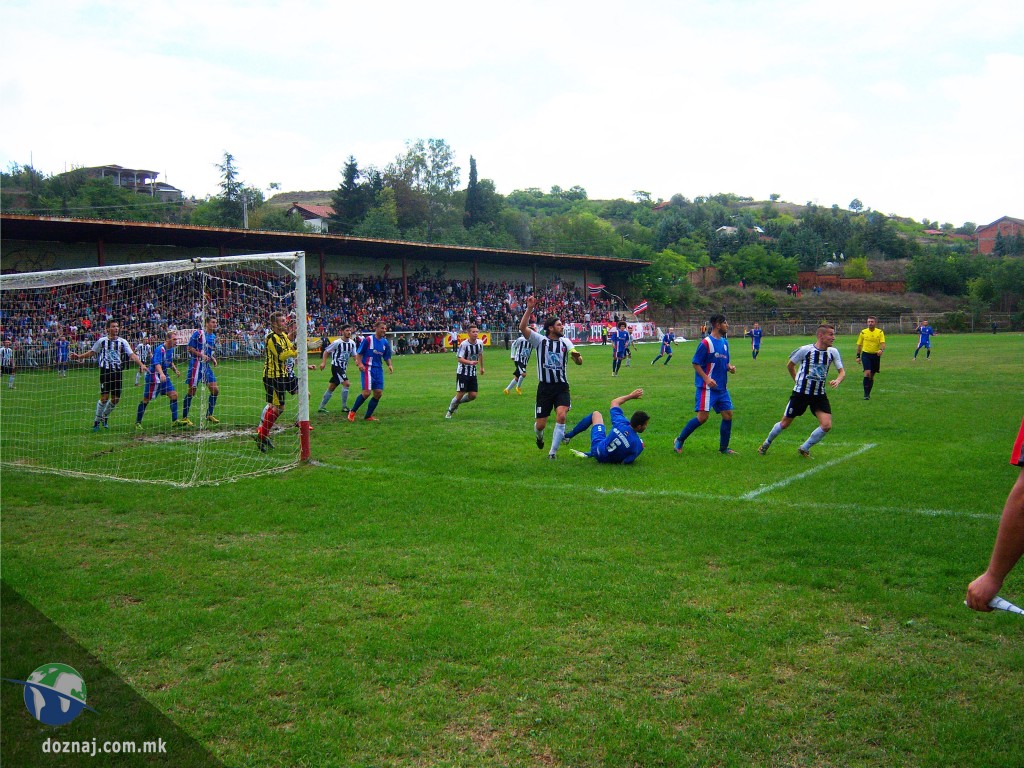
x=436 y=592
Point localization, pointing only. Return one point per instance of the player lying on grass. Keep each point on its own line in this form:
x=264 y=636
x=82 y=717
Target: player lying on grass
x=620 y=445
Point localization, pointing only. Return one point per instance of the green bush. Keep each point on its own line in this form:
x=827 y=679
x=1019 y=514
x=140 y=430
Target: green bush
x=765 y=299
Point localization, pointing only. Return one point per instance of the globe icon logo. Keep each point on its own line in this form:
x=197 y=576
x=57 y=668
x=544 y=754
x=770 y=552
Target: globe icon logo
x=55 y=694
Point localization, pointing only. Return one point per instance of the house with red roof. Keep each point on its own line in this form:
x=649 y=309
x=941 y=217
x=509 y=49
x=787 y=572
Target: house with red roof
x=313 y=216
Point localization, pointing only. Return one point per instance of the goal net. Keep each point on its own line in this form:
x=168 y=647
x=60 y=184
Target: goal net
x=60 y=409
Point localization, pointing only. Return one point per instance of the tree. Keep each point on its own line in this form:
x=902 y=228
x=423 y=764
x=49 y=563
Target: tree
x=231 y=190
x=381 y=221
x=857 y=267
x=351 y=200
x=666 y=281
x=856 y=205
x=474 y=212
x=774 y=197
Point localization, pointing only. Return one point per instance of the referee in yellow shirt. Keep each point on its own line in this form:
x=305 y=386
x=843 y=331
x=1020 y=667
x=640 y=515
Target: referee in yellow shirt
x=870 y=346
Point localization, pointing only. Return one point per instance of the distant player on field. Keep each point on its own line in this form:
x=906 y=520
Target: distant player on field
x=63 y=355
x=755 y=339
x=620 y=339
x=470 y=355
x=870 y=346
x=520 y=354
x=925 y=332
x=552 y=384
x=809 y=366
x=159 y=383
x=666 y=347
x=202 y=347
x=620 y=445
x=339 y=351
x=145 y=352
x=373 y=353
x=7 y=363
x=278 y=351
x=110 y=351
x=712 y=368
x=1009 y=544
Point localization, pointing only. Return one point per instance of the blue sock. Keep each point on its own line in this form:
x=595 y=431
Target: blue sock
x=691 y=425
x=141 y=410
x=174 y=410
x=212 y=403
x=585 y=423
x=724 y=434
x=372 y=406
x=186 y=405
x=359 y=401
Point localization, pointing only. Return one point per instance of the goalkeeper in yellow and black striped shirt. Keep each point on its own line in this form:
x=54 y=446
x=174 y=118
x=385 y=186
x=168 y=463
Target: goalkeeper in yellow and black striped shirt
x=280 y=349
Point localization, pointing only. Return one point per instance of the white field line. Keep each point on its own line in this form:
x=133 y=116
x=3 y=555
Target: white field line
x=812 y=471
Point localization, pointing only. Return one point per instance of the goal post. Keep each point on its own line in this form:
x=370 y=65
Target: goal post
x=66 y=409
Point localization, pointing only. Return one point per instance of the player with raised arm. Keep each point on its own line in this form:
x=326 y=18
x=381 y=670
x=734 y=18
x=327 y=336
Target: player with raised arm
x=552 y=384
x=373 y=354
x=622 y=444
x=339 y=351
x=925 y=333
x=159 y=383
x=712 y=368
x=110 y=352
x=754 y=334
x=520 y=354
x=809 y=366
x=470 y=355
x=667 y=340
x=620 y=339
x=202 y=348
x=279 y=349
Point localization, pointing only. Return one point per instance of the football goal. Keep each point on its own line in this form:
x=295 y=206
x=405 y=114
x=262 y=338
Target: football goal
x=75 y=401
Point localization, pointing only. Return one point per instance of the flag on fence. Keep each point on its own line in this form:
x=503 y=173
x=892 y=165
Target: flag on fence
x=595 y=290
x=641 y=307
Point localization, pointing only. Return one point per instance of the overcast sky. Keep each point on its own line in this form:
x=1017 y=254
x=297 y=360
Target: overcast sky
x=912 y=107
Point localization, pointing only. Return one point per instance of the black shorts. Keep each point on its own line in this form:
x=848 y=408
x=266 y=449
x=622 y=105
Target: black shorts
x=464 y=383
x=871 y=361
x=339 y=375
x=110 y=382
x=799 y=403
x=8 y=370
x=551 y=396
x=520 y=370
x=276 y=390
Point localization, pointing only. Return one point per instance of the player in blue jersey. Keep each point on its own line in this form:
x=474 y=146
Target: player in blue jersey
x=620 y=339
x=202 y=347
x=712 y=367
x=666 y=347
x=755 y=339
x=159 y=383
x=926 y=332
x=620 y=445
x=63 y=355
x=373 y=353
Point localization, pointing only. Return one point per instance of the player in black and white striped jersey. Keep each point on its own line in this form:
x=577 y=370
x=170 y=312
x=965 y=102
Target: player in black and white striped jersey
x=111 y=351
x=520 y=354
x=552 y=384
x=809 y=368
x=471 y=356
x=339 y=351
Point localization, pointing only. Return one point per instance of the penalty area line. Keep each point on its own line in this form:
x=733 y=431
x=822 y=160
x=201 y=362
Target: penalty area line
x=812 y=471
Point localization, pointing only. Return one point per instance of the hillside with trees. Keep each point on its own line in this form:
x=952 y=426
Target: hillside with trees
x=420 y=197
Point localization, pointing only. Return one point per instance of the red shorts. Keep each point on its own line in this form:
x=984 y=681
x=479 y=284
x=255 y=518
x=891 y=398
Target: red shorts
x=1017 y=457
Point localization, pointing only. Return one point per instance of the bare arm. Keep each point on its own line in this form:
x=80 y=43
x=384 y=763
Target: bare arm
x=1008 y=549
x=636 y=394
x=839 y=379
x=524 y=324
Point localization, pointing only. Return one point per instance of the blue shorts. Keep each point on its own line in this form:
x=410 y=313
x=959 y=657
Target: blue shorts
x=372 y=378
x=716 y=400
x=200 y=373
x=155 y=388
x=926 y=343
x=598 y=434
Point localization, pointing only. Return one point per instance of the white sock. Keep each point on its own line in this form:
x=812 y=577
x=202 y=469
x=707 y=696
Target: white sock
x=556 y=438
x=814 y=439
x=774 y=433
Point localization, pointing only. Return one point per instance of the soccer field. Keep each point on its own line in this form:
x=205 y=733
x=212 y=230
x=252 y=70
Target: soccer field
x=435 y=592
